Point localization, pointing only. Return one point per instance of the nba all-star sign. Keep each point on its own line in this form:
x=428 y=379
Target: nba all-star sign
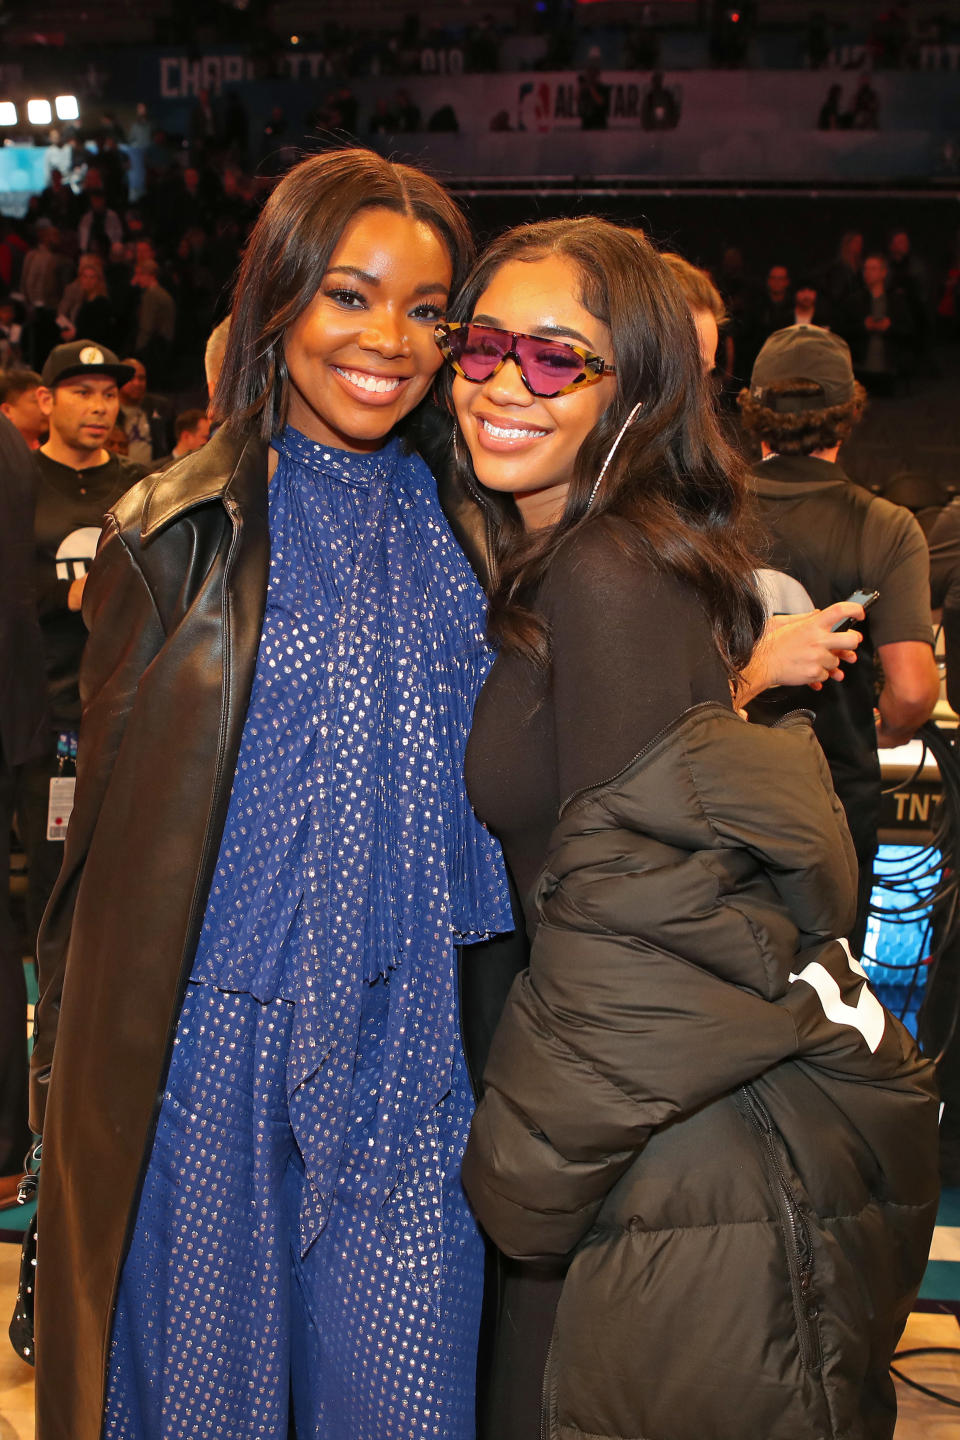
x=550 y=103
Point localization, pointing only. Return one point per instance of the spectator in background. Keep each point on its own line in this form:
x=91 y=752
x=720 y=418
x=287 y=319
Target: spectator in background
x=77 y=481
x=660 y=109
x=593 y=96
x=141 y=127
x=99 y=227
x=809 y=308
x=13 y=249
x=841 y=277
x=706 y=307
x=769 y=310
x=116 y=442
x=18 y=401
x=86 y=304
x=216 y=348
x=58 y=202
x=22 y=740
x=907 y=277
x=156 y=319
x=112 y=165
x=11 y=332
x=192 y=431
x=145 y=418
x=42 y=282
x=835 y=538
x=879 y=328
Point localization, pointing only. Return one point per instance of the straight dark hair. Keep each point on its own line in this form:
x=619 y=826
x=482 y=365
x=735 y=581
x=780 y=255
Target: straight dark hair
x=674 y=477
x=287 y=256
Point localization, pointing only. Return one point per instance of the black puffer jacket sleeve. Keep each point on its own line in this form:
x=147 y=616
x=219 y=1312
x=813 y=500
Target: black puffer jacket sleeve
x=677 y=909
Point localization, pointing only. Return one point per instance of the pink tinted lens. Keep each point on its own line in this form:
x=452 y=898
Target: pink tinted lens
x=478 y=350
x=547 y=365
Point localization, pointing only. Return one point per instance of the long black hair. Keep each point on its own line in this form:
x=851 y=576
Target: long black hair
x=673 y=475
x=287 y=256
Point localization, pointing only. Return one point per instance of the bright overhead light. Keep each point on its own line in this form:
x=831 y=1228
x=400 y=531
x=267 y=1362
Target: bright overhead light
x=67 y=107
x=39 y=112
x=8 y=112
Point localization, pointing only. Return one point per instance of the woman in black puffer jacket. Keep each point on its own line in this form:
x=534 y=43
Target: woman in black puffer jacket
x=708 y=1148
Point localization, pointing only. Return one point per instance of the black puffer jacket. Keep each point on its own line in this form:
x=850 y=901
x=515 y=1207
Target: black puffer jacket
x=694 y=1089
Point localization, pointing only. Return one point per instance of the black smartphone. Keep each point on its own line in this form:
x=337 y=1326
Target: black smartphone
x=866 y=598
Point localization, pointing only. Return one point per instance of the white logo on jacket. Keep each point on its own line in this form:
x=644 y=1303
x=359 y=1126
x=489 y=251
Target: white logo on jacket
x=867 y=1016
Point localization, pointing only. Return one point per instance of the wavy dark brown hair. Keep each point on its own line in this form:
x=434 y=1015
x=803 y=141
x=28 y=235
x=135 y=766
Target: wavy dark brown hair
x=287 y=256
x=674 y=477
x=798 y=431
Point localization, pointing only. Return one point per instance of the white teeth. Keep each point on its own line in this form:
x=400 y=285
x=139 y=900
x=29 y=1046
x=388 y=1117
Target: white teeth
x=376 y=386
x=502 y=432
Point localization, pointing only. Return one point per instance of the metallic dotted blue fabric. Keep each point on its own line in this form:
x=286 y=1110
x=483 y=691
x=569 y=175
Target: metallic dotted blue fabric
x=302 y=1221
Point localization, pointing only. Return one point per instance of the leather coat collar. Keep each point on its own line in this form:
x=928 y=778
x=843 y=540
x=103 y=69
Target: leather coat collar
x=229 y=467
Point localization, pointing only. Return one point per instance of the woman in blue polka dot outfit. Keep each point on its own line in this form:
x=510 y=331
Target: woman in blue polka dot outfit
x=299 y=1251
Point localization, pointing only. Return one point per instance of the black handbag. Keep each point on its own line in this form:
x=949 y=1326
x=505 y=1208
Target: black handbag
x=21 y=1326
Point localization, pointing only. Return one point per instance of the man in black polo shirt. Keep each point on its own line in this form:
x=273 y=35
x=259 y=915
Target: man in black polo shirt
x=835 y=538
x=77 y=482
x=22 y=731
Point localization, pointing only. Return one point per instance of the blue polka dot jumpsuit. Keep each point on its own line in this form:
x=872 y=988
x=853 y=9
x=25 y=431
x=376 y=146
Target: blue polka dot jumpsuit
x=303 y=1251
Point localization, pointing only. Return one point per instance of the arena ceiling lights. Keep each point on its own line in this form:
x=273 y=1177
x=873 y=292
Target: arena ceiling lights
x=40 y=111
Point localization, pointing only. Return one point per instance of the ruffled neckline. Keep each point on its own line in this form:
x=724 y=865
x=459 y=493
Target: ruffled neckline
x=348 y=466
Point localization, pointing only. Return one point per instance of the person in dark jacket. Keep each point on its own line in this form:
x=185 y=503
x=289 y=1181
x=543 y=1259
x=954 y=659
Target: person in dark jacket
x=836 y=538
x=269 y=867
x=22 y=738
x=707 y=1152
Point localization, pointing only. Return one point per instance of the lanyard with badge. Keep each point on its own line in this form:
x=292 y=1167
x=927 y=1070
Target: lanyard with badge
x=62 y=786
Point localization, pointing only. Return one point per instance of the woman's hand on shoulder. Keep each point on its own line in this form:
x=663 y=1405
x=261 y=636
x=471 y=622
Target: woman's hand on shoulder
x=802 y=650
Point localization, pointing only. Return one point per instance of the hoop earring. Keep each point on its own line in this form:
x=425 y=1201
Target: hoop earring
x=612 y=451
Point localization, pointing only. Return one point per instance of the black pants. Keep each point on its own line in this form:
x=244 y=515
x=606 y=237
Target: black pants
x=24 y=792
x=14 y=1132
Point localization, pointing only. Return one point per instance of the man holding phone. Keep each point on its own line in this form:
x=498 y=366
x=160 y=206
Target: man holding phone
x=838 y=539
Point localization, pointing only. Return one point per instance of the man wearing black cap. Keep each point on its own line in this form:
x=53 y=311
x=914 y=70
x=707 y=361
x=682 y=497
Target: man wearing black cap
x=77 y=482
x=836 y=538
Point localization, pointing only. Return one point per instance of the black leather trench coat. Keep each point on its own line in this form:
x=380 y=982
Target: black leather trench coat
x=175 y=604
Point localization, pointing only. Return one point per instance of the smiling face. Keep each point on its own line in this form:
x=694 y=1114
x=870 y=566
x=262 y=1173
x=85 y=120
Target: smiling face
x=362 y=354
x=521 y=444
